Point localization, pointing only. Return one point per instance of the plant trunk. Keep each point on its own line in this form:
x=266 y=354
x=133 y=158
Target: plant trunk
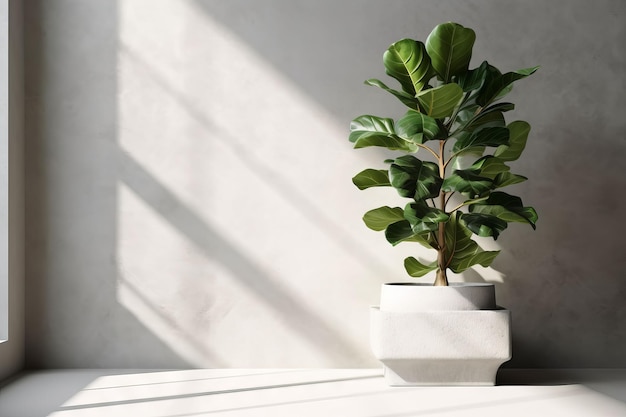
x=442 y=278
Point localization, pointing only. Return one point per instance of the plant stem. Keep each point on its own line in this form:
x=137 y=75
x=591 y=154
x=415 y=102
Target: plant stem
x=441 y=278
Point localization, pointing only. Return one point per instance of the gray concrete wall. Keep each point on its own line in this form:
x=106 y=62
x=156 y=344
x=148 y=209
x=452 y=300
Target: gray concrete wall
x=12 y=350
x=189 y=194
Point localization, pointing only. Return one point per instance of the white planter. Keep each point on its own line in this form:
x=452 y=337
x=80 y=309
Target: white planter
x=426 y=335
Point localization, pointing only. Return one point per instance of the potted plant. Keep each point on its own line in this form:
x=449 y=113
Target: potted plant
x=455 y=121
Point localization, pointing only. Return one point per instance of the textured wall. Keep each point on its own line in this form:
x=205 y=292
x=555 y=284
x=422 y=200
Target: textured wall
x=189 y=195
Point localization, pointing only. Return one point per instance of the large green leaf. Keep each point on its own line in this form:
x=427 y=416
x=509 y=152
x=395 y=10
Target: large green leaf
x=490 y=167
x=415 y=126
x=424 y=218
x=484 y=225
x=523 y=215
x=517 y=141
x=390 y=142
x=461 y=251
x=489 y=136
x=371 y=178
x=378 y=219
x=403 y=232
x=507 y=208
x=398 y=232
x=369 y=130
x=413 y=178
x=462 y=159
x=408 y=62
x=467 y=182
x=505 y=179
x=473 y=79
x=417 y=269
x=450 y=48
x=468 y=122
x=497 y=84
x=407 y=99
x=440 y=102
x=502 y=107
x=368 y=123
x=485 y=119
x=471 y=117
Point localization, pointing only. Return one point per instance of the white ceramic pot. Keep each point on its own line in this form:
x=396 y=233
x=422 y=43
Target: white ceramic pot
x=426 y=335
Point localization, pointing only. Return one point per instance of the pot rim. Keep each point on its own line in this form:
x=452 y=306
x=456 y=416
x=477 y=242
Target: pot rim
x=451 y=284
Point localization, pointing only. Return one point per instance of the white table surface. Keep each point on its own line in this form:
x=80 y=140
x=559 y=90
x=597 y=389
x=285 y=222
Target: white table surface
x=307 y=392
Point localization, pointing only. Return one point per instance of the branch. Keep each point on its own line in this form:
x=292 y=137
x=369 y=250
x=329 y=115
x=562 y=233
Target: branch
x=448 y=199
x=459 y=206
x=419 y=145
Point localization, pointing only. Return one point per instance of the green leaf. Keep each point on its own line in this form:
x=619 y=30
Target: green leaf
x=414 y=178
x=367 y=123
x=417 y=269
x=505 y=179
x=389 y=142
x=371 y=178
x=467 y=182
x=466 y=122
x=402 y=232
x=507 y=208
x=517 y=141
x=484 y=225
x=489 y=136
x=424 y=218
x=470 y=118
x=449 y=46
x=524 y=215
x=461 y=160
x=378 y=219
x=414 y=126
x=481 y=257
x=474 y=201
x=408 y=62
x=473 y=79
x=485 y=119
x=499 y=107
x=496 y=84
x=466 y=112
x=407 y=99
x=461 y=251
x=398 y=232
x=369 y=130
x=440 y=102
x=490 y=167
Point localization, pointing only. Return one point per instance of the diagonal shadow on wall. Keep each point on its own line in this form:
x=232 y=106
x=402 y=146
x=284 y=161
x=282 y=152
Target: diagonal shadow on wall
x=295 y=315
x=291 y=194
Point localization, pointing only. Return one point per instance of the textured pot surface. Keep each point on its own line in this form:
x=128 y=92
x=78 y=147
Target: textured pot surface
x=409 y=297
x=441 y=347
x=427 y=335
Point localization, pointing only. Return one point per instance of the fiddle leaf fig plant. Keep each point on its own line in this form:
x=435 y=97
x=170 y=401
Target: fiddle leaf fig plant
x=456 y=120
